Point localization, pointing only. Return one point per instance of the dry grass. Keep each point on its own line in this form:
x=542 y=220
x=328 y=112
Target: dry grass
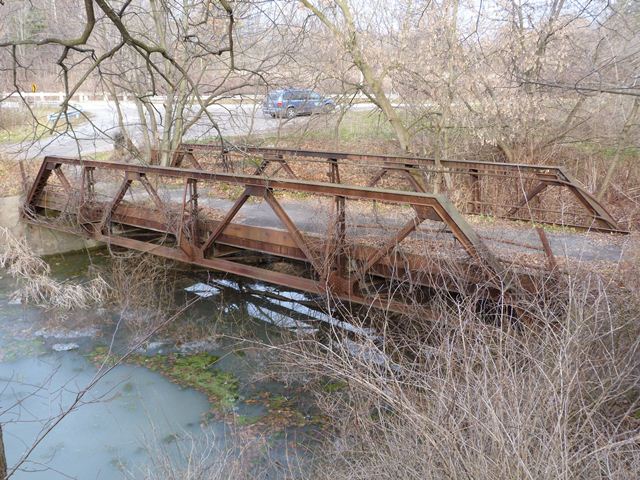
x=471 y=396
x=36 y=284
x=143 y=289
x=11 y=180
x=211 y=457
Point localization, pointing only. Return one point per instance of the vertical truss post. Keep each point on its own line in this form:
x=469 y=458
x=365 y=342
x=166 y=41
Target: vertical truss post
x=226 y=160
x=87 y=195
x=179 y=238
x=334 y=248
x=87 y=189
x=194 y=227
x=187 y=237
x=334 y=171
x=334 y=251
x=476 y=197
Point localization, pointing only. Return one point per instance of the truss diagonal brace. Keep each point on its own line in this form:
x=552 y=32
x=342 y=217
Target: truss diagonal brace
x=596 y=208
x=226 y=220
x=124 y=187
x=297 y=236
x=142 y=178
x=405 y=231
x=528 y=196
x=63 y=179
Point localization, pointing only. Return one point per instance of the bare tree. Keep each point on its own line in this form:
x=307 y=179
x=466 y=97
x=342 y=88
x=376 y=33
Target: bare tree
x=187 y=56
x=339 y=19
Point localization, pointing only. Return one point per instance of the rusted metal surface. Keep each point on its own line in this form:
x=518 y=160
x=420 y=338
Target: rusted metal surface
x=590 y=214
x=182 y=229
x=547 y=248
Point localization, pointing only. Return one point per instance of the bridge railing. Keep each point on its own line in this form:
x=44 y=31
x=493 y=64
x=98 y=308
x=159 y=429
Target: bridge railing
x=519 y=192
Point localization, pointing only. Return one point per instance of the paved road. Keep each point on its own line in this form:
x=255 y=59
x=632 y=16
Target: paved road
x=578 y=246
x=95 y=134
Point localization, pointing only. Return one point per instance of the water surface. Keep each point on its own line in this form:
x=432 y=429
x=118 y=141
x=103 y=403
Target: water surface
x=133 y=418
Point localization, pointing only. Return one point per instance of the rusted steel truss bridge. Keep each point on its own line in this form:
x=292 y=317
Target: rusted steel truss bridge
x=344 y=236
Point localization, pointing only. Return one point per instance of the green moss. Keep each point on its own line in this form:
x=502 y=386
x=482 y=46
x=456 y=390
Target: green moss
x=245 y=420
x=278 y=402
x=320 y=420
x=100 y=355
x=195 y=371
x=192 y=371
x=283 y=414
x=171 y=438
x=127 y=387
x=333 y=386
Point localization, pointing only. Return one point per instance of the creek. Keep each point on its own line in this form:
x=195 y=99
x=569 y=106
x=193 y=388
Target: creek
x=158 y=407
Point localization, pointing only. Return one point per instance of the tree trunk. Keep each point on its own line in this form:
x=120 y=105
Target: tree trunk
x=349 y=37
x=145 y=130
x=623 y=142
x=378 y=93
x=3 y=458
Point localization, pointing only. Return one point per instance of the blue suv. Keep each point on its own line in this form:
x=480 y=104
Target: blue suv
x=291 y=102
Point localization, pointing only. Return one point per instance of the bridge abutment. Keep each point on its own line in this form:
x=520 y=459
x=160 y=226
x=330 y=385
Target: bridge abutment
x=42 y=240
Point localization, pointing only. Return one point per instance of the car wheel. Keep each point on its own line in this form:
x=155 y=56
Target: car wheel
x=327 y=108
x=291 y=112
x=273 y=115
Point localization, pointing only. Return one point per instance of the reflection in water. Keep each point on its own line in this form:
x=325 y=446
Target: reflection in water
x=134 y=411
